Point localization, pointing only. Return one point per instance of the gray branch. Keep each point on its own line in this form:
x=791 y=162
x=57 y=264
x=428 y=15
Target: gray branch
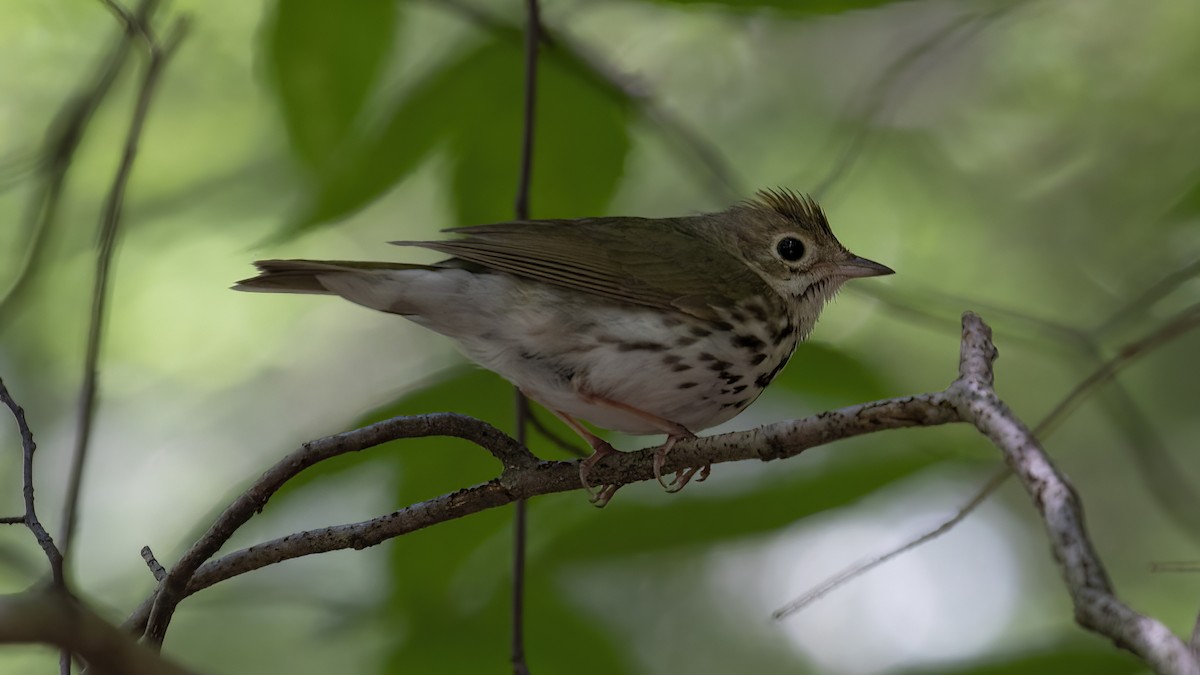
x=970 y=399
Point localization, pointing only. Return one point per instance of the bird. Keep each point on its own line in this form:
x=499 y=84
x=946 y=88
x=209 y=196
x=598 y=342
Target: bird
x=635 y=325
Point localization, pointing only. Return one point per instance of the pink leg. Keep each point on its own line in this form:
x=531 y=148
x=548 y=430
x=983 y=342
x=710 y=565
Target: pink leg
x=600 y=449
x=673 y=431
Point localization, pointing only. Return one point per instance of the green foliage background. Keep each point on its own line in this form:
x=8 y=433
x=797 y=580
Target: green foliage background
x=1036 y=161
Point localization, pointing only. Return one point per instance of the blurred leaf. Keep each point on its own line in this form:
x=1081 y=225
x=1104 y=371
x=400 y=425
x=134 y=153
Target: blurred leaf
x=1187 y=206
x=323 y=59
x=476 y=103
x=579 y=148
x=832 y=376
x=437 y=607
x=560 y=635
x=792 y=7
x=1071 y=656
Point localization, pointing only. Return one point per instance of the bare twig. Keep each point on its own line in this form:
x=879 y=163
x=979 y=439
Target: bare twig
x=690 y=146
x=961 y=28
x=548 y=433
x=156 y=567
x=63 y=137
x=109 y=230
x=533 y=31
x=1181 y=323
x=1175 y=494
x=1096 y=605
x=1144 y=301
x=860 y=568
x=30 y=518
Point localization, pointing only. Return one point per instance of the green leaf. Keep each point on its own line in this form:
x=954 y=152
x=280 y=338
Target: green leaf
x=476 y=104
x=1187 y=205
x=580 y=143
x=433 y=465
x=323 y=59
x=831 y=376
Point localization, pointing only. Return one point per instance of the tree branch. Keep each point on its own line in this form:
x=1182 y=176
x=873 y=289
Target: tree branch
x=523 y=477
x=174 y=586
x=970 y=398
x=1096 y=606
x=54 y=618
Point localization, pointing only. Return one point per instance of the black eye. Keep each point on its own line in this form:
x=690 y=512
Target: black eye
x=790 y=249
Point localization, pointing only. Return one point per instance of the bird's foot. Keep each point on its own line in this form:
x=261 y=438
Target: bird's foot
x=660 y=459
x=600 y=449
x=602 y=496
x=683 y=476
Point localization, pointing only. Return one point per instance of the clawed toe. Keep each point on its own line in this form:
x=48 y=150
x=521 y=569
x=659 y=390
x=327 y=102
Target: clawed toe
x=684 y=476
x=602 y=496
x=660 y=457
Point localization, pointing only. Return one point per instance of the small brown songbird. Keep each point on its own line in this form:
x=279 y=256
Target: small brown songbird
x=638 y=325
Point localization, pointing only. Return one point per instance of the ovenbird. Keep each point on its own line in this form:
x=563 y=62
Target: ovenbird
x=638 y=325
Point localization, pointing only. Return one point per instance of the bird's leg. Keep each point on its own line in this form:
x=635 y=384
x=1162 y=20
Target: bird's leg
x=600 y=448
x=674 y=432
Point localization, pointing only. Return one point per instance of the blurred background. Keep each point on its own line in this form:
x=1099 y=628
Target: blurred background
x=1036 y=161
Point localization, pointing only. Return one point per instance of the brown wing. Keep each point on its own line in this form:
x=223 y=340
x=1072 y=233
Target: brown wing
x=659 y=263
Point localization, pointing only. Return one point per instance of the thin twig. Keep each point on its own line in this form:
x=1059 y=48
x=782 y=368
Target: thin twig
x=690 y=146
x=1146 y=300
x=529 y=118
x=109 y=230
x=1158 y=470
x=30 y=519
x=63 y=137
x=963 y=28
x=156 y=567
x=858 y=569
x=1181 y=323
x=548 y=433
x=533 y=30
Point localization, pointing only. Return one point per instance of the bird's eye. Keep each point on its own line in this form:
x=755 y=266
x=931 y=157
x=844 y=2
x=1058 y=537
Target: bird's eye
x=790 y=249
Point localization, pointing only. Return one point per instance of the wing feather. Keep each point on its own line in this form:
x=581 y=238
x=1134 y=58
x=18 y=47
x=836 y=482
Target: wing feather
x=659 y=263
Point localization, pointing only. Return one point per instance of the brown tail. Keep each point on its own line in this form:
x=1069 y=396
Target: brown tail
x=304 y=276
